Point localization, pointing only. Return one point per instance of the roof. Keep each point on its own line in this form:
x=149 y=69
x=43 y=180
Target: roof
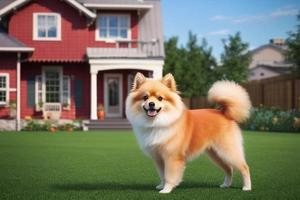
x=10 y=44
x=273 y=46
x=278 y=69
x=116 y=4
x=7 y=6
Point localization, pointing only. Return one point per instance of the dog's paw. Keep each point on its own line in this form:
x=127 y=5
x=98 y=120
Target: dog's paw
x=224 y=185
x=167 y=189
x=246 y=188
x=160 y=186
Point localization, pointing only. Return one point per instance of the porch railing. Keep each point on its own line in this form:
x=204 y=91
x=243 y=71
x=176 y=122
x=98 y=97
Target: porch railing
x=132 y=48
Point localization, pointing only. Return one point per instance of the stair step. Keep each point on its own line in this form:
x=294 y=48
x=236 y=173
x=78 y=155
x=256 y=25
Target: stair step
x=108 y=124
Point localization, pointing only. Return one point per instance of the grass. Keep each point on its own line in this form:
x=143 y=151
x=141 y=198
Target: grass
x=109 y=165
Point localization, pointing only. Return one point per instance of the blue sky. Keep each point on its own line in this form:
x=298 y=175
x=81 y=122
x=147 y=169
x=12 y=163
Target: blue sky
x=257 y=20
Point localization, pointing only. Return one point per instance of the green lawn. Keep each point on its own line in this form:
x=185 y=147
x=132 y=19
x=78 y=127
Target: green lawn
x=109 y=165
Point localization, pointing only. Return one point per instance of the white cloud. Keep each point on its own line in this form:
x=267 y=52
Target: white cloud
x=220 y=32
x=219 y=18
x=281 y=12
x=285 y=12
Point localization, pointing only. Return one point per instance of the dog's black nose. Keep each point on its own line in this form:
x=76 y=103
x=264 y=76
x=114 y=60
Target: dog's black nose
x=151 y=105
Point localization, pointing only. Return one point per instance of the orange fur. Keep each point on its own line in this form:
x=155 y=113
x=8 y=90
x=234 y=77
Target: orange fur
x=187 y=133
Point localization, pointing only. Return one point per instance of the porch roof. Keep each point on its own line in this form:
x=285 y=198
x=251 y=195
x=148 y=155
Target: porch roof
x=10 y=44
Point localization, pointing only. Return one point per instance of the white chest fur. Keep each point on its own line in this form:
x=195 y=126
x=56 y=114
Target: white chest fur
x=150 y=138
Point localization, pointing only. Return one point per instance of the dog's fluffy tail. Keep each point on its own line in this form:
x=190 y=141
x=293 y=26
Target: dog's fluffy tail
x=233 y=98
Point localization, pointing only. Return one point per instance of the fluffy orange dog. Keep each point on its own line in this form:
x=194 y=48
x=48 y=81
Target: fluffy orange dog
x=171 y=135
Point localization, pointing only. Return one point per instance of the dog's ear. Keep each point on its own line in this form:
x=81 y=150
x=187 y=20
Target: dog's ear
x=139 y=79
x=169 y=81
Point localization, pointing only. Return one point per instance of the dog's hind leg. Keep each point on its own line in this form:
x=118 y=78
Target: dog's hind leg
x=230 y=149
x=223 y=165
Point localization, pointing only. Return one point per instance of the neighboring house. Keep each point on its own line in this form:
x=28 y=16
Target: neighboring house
x=269 y=60
x=70 y=56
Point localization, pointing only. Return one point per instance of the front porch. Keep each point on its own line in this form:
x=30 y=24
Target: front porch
x=117 y=76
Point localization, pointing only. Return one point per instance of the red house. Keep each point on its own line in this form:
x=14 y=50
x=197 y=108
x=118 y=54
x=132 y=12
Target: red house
x=67 y=57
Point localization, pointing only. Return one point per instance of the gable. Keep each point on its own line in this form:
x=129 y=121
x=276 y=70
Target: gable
x=7 y=6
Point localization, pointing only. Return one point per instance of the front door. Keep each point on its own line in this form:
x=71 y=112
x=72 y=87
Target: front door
x=113 y=94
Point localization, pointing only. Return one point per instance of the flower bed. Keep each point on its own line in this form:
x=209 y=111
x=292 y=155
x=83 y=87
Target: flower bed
x=273 y=119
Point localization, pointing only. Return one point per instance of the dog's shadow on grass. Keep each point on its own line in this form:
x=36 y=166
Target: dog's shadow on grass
x=124 y=186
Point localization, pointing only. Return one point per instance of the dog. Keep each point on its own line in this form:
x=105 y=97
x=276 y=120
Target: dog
x=171 y=135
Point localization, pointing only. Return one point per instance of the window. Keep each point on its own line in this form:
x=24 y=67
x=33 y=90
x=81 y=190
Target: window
x=46 y=26
x=4 y=89
x=116 y=27
x=52 y=87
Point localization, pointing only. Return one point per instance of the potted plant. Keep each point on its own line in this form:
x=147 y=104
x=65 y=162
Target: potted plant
x=12 y=109
x=101 y=112
x=40 y=104
x=65 y=106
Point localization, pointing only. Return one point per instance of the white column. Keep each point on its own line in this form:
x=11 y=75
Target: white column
x=18 y=118
x=93 y=95
x=157 y=72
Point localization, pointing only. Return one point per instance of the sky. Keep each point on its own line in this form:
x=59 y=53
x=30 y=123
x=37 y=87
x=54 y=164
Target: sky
x=258 y=21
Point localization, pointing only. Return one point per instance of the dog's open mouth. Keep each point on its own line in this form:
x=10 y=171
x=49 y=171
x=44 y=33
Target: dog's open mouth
x=151 y=112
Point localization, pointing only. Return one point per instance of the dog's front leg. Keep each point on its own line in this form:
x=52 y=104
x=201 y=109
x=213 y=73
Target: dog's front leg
x=159 y=165
x=174 y=168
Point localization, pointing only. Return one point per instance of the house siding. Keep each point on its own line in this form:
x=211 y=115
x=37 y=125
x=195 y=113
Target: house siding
x=8 y=64
x=76 y=36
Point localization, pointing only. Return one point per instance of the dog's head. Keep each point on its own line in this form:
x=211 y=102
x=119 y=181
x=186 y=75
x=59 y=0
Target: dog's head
x=153 y=103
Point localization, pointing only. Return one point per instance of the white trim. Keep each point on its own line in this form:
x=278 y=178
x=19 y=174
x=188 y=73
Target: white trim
x=69 y=92
x=73 y=3
x=82 y=8
x=156 y=66
x=94 y=96
x=12 y=89
x=37 y=91
x=18 y=108
x=35 y=27
x=12 y=6
x=6 y=75
x=120 y=76
x=110 y=39
x=16 y=49
x=117 y=6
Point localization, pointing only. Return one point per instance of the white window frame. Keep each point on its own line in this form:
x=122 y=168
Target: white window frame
x=35 y=27
x=68 y=91
x=37 y=91
x=5 y=103
x=109 y=39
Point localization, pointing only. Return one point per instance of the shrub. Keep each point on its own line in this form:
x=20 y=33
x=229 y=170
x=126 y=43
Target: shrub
x=47 y=125
x=273 y=119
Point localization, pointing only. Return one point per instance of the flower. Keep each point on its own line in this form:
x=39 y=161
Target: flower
x=28 y=118
x=296 y=122
x=275 y=120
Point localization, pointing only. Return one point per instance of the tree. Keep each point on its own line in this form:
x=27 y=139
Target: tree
x=192 y=65
x=293 y=43
x=235 y=59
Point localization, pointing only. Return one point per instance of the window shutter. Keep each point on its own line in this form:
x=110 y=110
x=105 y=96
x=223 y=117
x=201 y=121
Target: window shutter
x=78 y=93
x=31 y=92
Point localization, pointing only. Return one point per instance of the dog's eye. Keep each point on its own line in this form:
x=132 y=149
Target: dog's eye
x=160 y=98
x=145 y=97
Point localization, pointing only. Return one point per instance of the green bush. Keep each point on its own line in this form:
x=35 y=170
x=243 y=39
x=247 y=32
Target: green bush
x=46 y=125
x=273 y=119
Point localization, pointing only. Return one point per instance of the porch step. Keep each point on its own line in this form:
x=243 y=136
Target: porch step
x=108 y=124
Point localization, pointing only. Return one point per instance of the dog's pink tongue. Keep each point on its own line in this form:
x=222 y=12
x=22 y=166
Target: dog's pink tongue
x=152 y=113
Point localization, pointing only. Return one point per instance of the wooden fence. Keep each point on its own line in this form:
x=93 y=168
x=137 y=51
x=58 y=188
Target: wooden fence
x=282 y=92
